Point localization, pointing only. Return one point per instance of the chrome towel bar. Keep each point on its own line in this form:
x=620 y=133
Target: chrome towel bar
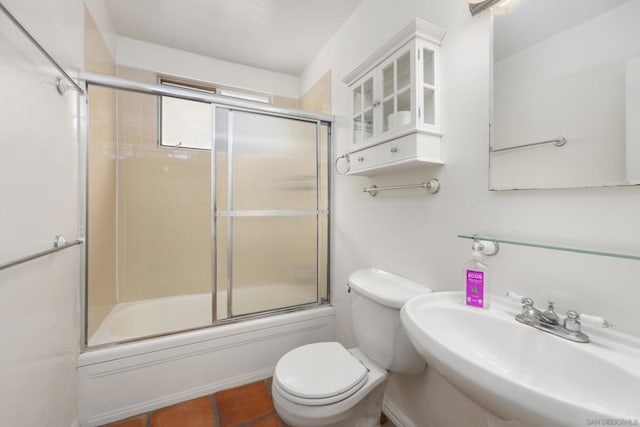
x=59 y=243
x=432 y=186
x=558 y=142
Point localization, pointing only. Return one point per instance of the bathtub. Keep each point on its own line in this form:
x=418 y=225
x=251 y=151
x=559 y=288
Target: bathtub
x=126 y=379
x=137 y=319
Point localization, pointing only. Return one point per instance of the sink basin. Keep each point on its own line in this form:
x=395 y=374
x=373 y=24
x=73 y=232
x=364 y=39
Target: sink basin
x=521 y=373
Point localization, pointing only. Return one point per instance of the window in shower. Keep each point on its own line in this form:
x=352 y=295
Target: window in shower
x=186 y=123
x=155 y=237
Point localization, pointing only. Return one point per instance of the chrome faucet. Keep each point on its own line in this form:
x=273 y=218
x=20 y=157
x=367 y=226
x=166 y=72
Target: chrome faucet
x=549 y=321
x=531 y=314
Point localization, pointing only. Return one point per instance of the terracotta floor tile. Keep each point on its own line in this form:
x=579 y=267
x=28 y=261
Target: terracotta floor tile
x=273 y=421
x=137 y=421
x=243 y=403
x=192 y=413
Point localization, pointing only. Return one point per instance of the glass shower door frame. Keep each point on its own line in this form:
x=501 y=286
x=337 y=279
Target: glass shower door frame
x=231 y=213
x=102 y=80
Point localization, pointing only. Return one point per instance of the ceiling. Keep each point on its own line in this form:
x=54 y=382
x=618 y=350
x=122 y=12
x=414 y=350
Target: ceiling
x=278 y=35
x=533 y=21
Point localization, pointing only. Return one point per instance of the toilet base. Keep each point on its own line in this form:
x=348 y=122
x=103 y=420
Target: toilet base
x=365 y=413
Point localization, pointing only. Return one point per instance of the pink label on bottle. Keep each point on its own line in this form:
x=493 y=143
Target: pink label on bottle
x=475 y=288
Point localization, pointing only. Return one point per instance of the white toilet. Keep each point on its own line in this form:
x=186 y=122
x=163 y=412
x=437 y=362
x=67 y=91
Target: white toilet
x=324 y=384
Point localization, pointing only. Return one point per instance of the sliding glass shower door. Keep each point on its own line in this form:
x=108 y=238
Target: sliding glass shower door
x=270 y=212
x=198 y=213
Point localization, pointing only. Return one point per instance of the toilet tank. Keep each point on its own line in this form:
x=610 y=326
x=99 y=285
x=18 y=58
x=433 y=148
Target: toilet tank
x=376 y=299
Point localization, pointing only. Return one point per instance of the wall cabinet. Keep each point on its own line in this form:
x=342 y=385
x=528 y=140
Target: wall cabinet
x=396 y=94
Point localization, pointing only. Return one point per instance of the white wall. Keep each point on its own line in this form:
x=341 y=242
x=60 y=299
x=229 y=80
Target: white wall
x=414 y=234
x=162 y=59
x=102 y=19
x=39 y=301
x=571 y=85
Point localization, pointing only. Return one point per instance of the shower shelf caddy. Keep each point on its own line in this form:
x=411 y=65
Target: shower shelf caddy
x=556 y=247
x=396 y=103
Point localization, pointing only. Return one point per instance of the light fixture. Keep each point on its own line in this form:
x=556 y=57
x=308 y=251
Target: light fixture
x=498 y=6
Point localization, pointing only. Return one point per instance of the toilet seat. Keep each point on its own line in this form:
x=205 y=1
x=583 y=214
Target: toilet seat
x=319 y=374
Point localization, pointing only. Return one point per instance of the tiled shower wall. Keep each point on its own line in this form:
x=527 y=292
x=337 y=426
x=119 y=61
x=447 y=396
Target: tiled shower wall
x=164 y=198
x=318 y=97
x=101 y=296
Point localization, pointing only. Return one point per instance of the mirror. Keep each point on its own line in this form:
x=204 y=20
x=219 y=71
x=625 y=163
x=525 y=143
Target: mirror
x=566 y=70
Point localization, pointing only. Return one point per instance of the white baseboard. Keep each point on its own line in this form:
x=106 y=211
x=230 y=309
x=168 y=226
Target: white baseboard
x=395 y=415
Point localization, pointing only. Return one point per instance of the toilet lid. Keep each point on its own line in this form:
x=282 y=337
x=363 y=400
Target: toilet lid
x=319 y=371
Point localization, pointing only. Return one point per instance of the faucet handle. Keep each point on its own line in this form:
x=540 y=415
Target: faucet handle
x=575 y=319
x=527 y=303
x=519 y=298
x=572 y=321
x=596 y=321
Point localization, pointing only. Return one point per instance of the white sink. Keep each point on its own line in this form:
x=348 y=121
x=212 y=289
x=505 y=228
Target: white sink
x=521 y=373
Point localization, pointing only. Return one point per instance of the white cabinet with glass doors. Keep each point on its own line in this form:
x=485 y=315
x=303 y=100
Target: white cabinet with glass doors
x=396 y=114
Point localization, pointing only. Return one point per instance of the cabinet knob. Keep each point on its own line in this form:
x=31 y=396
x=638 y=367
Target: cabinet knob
x=394 y=149
x=361 y=159
x=376 y=103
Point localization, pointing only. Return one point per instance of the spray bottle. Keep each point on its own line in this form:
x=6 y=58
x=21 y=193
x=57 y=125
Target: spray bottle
x=476 y=280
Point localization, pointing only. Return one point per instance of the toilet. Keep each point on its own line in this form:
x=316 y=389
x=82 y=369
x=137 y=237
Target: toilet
x=324 y=384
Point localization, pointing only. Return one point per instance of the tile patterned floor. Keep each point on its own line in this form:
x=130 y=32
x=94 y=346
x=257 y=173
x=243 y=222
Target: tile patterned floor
x=247 y=405
x=244 y=406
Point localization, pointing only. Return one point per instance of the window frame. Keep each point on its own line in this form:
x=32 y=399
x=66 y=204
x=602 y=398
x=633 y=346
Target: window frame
x=208 y=88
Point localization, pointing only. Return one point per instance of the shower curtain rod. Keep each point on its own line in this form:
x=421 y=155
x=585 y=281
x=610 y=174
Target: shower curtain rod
x=194 y=95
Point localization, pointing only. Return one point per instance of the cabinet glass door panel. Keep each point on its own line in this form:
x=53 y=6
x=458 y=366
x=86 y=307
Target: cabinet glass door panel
x=428 y=67
x=388 y=108
x=367 y=109
x=428 y=87
x=363 y=111
x=388 y=94
x=357 y=100
x=367 y=93
x=429 y=107
x=404 y=102
x=357 y=129
x=404 y=71
x=388 y=80
x=397 y=78
x=367 y=124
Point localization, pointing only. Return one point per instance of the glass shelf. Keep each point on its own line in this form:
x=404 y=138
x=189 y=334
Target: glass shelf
x=551 y=246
